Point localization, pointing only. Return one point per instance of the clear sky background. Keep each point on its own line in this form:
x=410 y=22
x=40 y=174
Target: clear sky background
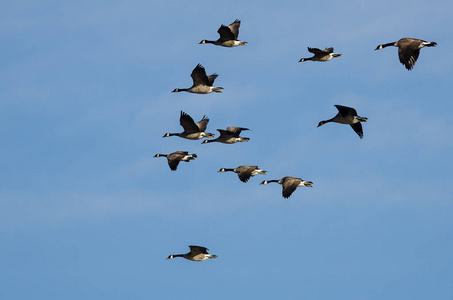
x=86 y=212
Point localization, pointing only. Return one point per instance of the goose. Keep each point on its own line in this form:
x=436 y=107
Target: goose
x=245 y=172
x=192 y=130
x=202 y=84
x=229 y=136
x=347 y=115
x=228 y=36
x=408 y=50
x=289 y=184
x=321 y=55
x=197 y=253
x=175 y=157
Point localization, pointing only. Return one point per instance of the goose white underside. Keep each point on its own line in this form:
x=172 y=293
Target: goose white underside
x=187 y=158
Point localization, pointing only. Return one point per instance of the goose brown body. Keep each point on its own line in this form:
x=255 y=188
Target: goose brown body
x=197 y=253
x=347 y=115
x=229 y=136
x=228 y=36
x=245 y=171
x=289 y=184
x=192 y=130
x=175 y=157
x=202 y=84
x=321 y=55
x=408 y=50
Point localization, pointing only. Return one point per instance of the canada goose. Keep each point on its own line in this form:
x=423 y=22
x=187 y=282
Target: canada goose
x=347 y=115
x=321 y=55
x=175 y=157
x=289 y=184
x=192 y=130
x=228 y=36
x=408 y=50
x=244 y=172
x=197 y=253
x=202 y=84
x=229 y=136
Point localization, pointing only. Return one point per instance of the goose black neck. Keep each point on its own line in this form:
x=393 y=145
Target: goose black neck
x=388 y=44
x=326 y=121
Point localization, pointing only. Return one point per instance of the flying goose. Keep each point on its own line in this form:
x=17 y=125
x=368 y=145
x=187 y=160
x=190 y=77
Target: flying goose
x=408 y=50
x=228 y=36
x=229 y=136
x=197 y=253
x=245 y=172
x=347 y=115
x=175 y=157
x=192 y=130
x=289 y=184
x=321 y=55
x=202 y=84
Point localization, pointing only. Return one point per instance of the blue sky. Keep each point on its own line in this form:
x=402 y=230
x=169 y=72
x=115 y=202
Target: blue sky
x=85 y=98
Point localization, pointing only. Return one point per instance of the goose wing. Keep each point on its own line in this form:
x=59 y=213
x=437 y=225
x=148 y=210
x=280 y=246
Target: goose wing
x=226 y=133
x=202 y=124
x=289 y=186
x=173 y=163
x=225 y=33
x=234 y=27
x=211 y=79
x=345 y=111
x=198 y=250
x=358 y=129
x=408 y=52
x=236 y=130
x=245 y=172
x=199 y=76
x=188 y=123
x=316 y=51
x=174 y=158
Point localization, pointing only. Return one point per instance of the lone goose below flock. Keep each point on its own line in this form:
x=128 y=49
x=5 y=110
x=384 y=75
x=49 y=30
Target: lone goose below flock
x=347 y=115
x=175 y=157
x=228 y=36
x=245 y=172
x=202 y=84
x=197 y=253
x=321 y=55
x=289 y=184
x=229 y=136
x=408 y=50
x=192 y=130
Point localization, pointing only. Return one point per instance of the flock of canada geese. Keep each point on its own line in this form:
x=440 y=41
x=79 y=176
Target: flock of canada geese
x=408 y=52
